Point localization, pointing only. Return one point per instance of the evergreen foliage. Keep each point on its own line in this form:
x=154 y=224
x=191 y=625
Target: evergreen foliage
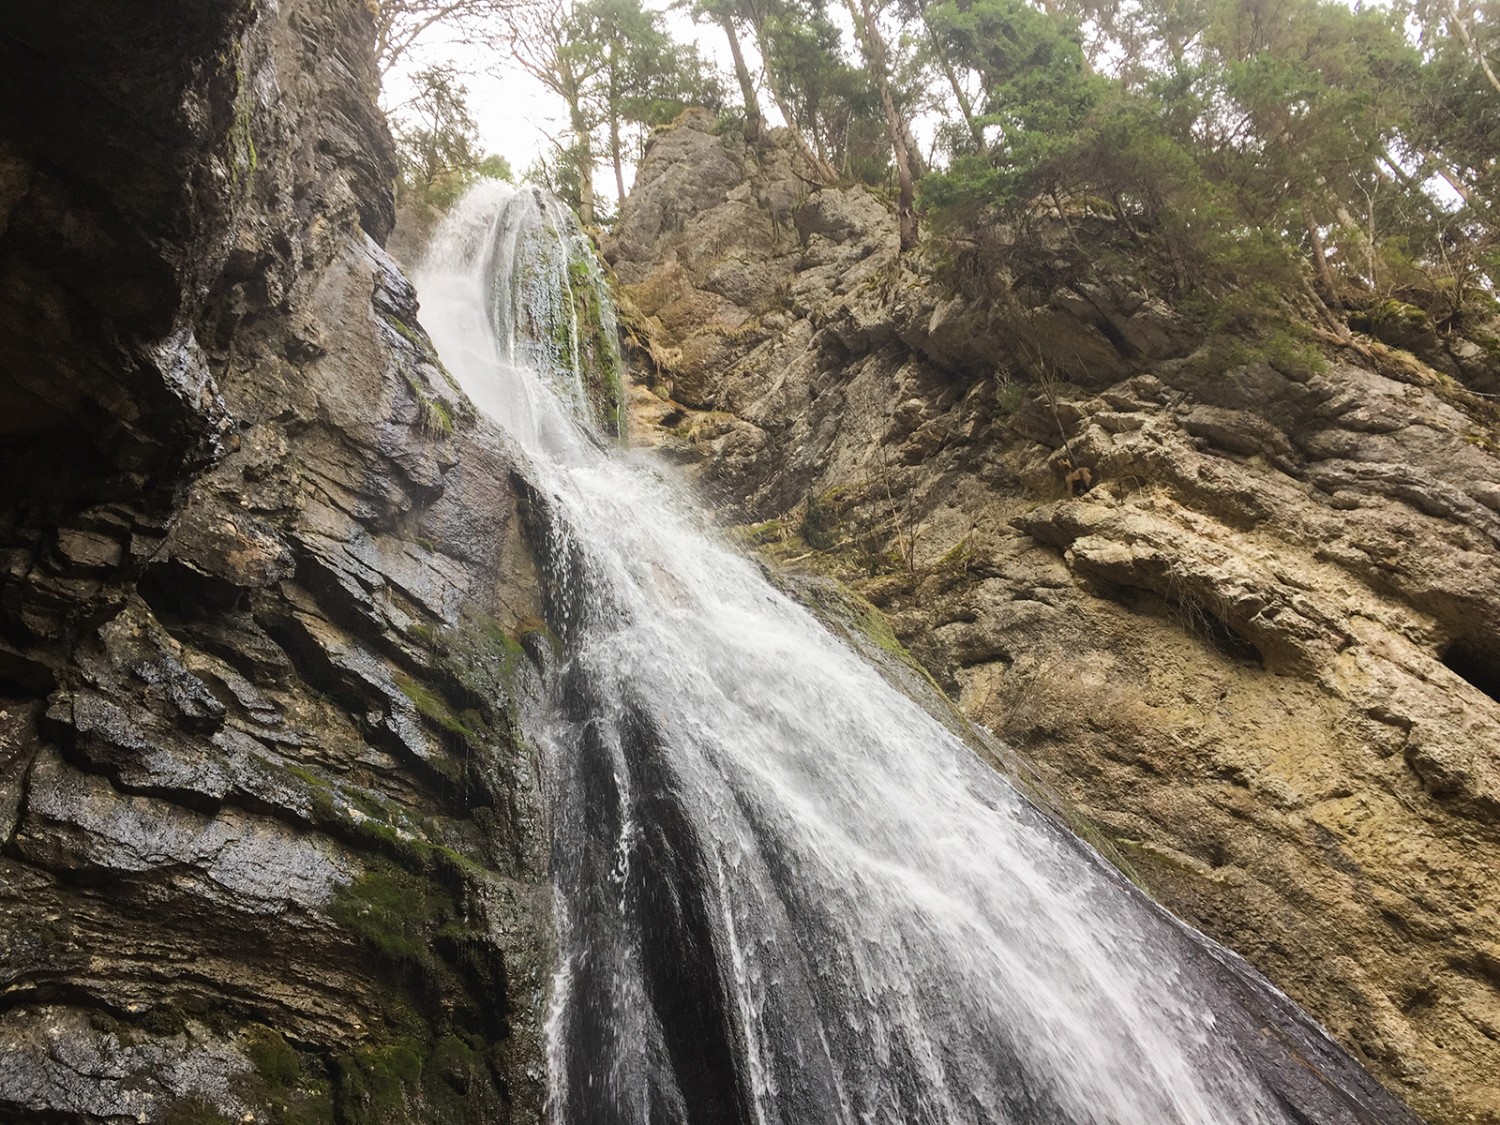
x=1340 y=154
x=437 y=141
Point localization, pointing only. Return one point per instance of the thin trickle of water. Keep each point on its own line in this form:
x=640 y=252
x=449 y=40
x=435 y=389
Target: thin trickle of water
x=785 y=894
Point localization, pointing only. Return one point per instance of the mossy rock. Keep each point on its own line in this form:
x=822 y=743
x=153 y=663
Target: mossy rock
x=409 y=1079
x=195 y=1110
x=822 y=525
x=1396 y=323
x=287 y=1087
x=394 y=912
x=377 y=1083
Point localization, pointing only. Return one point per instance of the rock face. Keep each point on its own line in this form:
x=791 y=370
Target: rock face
x=271 y=840
x=1235 y=602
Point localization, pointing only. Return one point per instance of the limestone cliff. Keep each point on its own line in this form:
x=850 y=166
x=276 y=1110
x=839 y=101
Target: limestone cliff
x=271 y=841
x=1234 y=600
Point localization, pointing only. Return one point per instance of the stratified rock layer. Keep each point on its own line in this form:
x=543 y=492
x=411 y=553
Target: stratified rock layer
x=1236 y=603
x=270 y=831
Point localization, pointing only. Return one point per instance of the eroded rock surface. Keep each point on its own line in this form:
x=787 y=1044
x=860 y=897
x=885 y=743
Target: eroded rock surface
x=269 y=839
x=1235 y=606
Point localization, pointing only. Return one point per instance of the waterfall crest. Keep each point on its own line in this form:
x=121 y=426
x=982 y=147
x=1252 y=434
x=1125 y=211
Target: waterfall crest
x=785 y=894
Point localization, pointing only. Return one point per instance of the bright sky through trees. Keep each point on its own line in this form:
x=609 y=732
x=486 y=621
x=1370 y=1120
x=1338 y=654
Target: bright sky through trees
x=1259 y=148
x=518 y=117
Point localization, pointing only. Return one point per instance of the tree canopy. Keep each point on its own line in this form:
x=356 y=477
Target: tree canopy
x=1344 y=150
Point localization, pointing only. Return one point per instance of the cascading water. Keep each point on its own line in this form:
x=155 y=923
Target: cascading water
x=786 y=895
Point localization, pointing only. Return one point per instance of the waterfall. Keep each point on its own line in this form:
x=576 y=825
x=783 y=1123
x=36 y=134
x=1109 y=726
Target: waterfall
x=785 y=894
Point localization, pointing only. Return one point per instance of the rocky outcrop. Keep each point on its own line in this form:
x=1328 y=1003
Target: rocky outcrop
x=269 y=831
x=1233 y=600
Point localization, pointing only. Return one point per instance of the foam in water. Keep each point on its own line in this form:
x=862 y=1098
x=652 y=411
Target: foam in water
x=785 y=894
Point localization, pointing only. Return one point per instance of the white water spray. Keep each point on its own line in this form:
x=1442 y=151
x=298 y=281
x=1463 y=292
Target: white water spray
x=787 y=895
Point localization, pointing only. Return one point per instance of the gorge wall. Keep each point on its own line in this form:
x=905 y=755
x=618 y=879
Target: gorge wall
x=1233 y=601
x=270 y=844
x=271 y=839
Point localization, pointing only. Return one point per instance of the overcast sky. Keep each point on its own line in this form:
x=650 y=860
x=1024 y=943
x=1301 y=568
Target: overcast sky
x=518 y=117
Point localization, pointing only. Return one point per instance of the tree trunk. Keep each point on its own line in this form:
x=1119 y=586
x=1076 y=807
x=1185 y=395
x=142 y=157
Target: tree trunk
x=964 y=106
x=819 y=165
x=754 y=126
x=1473 y=47
x=614 y=155
x=913 y=150
x=1320 y=256
x=583 y=152
x=906 y=190
x=1367 y=243
x=614 y=97
x=1431 y=163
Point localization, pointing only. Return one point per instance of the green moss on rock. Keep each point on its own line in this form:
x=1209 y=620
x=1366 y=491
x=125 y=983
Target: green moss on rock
x=394 y=912
x=378 y=1083
x=436 y=710
x=286 y=1087
x=444 y=1079
x=271 y=1055
x=195 y=1110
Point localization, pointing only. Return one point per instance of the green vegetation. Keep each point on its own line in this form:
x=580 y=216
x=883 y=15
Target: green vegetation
x=875 y=627
x=242 y=158
x=194 y=1110
x=1261 y=160
x=433 y=708
x=417 y=919
x=437 y=142
x=408 y=333
x=379 y=1080
x=1284 y=345
x=395 y=913
x=827 y=539
x=467 y=699
x=617 y=72
x=1259 y=165
x=820 y=522
x=483 y=657
x=273 y=1059
x=596 y=350
x=292 y=1089
x=434 y=417
x=413 y=1079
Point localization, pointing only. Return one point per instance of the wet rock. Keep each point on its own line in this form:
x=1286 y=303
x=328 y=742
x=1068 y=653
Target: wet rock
x=61 y=1061
x=261 y=777
x=78 y=822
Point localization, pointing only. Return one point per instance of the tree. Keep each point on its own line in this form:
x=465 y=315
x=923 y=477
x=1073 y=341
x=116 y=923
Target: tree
x=642 y=79
x=437 y=146
x=1467 y=25
x=616 y=70
x=1036 y=94
x=400 y=24
x=877 y=62
x=942 y=61
x=436 y=137
x=818 y=93
x=732 y=17
x=543 y=39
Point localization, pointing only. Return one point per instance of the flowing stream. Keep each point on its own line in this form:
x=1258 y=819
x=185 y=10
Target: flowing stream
x=786 y=895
